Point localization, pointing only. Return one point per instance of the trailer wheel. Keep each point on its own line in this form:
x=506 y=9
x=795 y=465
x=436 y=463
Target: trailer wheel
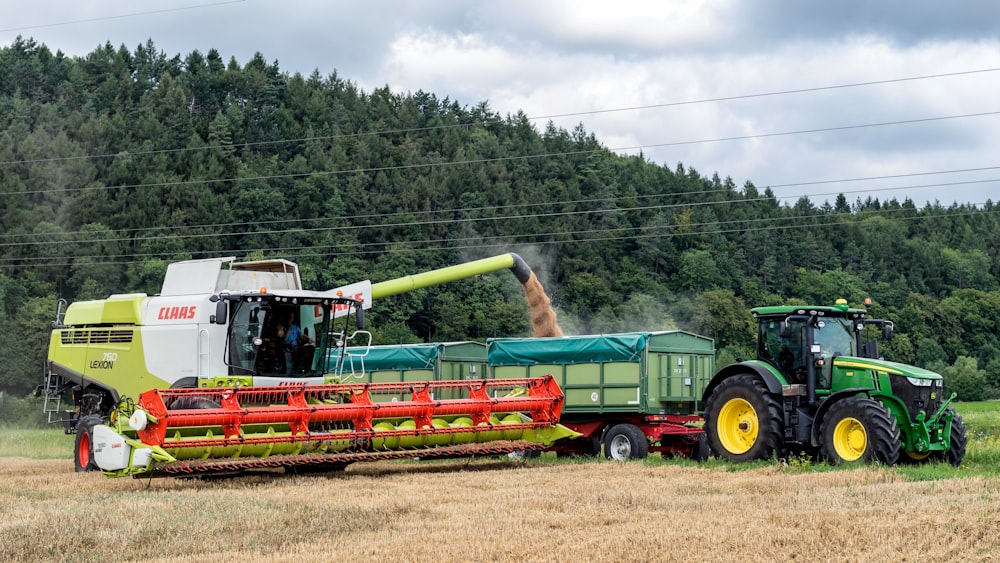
x=593 y=447
x=589 y=447
x=859 y=429
x=743 y=421
x=699 y=450
x=956 y=453
x=623 y=442
x=83 y=456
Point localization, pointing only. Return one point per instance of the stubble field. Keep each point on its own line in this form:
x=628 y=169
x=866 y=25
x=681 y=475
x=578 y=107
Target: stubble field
x=500 y=510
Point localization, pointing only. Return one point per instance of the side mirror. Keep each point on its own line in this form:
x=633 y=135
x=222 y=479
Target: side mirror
x=887 y=333
x=784 y=329
x=221 y=310
x=360 y=318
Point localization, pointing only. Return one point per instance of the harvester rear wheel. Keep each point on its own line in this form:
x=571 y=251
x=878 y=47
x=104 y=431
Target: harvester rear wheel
x=743 y=421
x=623 y=442
x=84 y=448
x=859 y=429
x=956 y=453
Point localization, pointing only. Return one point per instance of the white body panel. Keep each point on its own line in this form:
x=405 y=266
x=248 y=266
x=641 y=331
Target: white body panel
x=111 y=453
x=176 y=332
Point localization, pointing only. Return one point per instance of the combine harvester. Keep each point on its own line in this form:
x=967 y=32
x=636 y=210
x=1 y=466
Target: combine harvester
x=220 y=388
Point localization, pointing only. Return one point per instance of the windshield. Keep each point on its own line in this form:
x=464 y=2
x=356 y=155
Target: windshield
x=270 y=338
x=836 y=338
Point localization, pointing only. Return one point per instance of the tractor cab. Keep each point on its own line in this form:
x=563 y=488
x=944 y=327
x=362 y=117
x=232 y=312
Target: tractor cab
x=803 y=341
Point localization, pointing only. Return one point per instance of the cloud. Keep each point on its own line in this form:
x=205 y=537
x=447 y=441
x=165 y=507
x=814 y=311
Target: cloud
x=564 y=57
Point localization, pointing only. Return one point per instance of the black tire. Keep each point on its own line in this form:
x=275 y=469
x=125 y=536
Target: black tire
x=700 y=451
x=586 y=447
x=83 y=449
x=592 y=448
x=526 y=454
x=956 y=453
x=623 y=442
x=859 y=429
x=192 y=403
x=743 y=421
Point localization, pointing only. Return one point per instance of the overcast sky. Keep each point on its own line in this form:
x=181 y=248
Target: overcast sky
x=697 y=70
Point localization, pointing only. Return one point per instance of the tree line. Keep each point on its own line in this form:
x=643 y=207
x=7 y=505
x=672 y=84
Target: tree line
x=114 y=164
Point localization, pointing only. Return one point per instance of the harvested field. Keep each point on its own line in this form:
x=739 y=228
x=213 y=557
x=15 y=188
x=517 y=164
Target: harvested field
x=499 y=511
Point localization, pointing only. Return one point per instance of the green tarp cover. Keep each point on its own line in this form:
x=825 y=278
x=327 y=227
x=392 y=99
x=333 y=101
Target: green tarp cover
x=410 y=356
x=626 y=347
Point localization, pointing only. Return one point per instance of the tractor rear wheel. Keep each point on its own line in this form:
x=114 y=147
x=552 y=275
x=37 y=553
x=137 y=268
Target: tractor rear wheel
x=623 y=442
x=743 y=421
x=83 y=457
x=956 y=453
x=859 y=429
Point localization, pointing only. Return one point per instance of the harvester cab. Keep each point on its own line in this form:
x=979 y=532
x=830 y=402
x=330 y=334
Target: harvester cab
x=818 y=385
x=273 y=337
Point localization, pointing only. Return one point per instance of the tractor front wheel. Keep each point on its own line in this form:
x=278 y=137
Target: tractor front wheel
x=956 y=453
x=859 y=429
x=623 y=442
x=83 y=457
x=743 y=421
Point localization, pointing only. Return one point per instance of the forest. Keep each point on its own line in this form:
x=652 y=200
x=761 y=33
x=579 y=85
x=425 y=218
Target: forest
x=115 y=164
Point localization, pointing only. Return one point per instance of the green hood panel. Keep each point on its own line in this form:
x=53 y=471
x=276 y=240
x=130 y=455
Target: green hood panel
x=893 y=368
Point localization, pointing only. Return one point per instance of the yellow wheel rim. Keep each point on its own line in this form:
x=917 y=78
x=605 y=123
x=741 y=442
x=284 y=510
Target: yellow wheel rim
x=738 y=426
x=918 y=456
x=850 y=439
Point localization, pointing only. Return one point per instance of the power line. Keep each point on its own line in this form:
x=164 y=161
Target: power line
x=495 y=121
x=415 y=223
x=450 y=211
x=120 y=16
x=430 y=222
x=766 y=94
x=505 y=241
x=433 y=165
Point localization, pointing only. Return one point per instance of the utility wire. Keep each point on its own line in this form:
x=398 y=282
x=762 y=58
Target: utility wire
x=493 y=121
x=434 y=165
x=450 y=220
x=469 y=210
x=120 y=16
x=360 y=247
x=431 y=222
x=505 y=241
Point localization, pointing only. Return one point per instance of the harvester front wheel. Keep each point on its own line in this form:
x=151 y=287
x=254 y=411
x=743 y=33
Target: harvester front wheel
x=84 y=447
x=859 y=429
x=956 y=453
x=623 y=442
x=743 y=421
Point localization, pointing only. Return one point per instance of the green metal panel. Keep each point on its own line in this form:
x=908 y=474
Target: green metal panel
x=646 y=372
x=617 y=373
x=681 y=342
x=417 y=375
x=382 y=377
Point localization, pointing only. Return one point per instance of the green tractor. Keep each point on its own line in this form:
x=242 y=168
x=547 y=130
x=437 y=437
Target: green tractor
x=815 y=386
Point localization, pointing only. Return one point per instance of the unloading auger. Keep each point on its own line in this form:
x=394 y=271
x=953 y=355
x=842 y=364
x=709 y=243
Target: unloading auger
x=206 y=430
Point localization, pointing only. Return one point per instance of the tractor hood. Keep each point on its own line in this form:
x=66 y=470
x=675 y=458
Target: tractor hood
x=891 y=368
